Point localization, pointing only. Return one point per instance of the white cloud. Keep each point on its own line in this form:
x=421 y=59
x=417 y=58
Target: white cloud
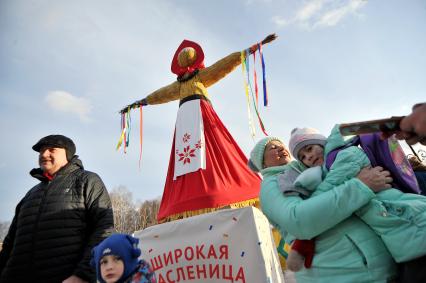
x=250 y=2
x=321 y=13
x=333 y=16
x=309 y=10
x=279 y=21
x=63 y=101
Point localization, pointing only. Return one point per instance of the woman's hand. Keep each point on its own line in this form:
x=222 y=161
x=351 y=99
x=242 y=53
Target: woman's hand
x=267 y=39
x=375 y=178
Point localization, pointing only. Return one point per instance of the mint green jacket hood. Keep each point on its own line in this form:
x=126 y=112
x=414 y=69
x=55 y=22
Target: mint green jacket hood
x=335 y=140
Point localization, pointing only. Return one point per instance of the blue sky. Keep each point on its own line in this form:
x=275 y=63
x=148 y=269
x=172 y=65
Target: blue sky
x=68 y=66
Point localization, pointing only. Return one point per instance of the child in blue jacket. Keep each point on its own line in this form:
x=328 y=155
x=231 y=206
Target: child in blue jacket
x=116 y=261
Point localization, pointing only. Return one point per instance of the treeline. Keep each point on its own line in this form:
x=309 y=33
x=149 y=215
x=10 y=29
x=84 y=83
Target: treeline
x=4 y=227
x=130 y=216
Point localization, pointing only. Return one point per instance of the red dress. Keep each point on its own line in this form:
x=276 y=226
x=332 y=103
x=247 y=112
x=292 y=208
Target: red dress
x=225 y=181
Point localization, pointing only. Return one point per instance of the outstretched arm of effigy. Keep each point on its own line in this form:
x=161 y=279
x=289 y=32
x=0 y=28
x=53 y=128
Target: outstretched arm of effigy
x=221 y=68
x=162 y=95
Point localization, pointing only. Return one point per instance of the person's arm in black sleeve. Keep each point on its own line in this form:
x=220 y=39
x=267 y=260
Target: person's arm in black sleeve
x=100 y=222
x=8 y=240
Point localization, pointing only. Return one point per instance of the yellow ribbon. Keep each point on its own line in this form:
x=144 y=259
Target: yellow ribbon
x=120 y=141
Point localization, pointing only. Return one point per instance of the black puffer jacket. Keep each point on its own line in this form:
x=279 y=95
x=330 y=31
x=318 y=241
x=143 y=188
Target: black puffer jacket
x=55 y=227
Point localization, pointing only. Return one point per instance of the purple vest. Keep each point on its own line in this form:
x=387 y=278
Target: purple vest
x=387 y=154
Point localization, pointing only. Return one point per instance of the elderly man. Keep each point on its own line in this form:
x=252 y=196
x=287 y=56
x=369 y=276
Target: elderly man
x=58 y=221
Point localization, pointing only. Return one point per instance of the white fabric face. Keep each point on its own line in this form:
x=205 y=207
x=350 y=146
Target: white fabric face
x=190 y=146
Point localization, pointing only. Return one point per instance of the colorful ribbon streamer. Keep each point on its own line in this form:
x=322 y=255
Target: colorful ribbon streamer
x=246 y=87
x=265 y=92
x=125 y=131
x=256 y=89
x=125 y=125
x=140 y=135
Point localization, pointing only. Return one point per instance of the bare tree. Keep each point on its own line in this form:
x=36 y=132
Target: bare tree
x=148 y=211
x=4 y=228
x=125 y=213
x=129 y=217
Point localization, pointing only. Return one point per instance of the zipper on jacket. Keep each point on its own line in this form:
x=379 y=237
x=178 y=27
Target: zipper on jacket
x=40 y=209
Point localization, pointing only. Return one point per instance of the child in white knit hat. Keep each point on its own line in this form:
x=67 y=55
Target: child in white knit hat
x=398 y=218
x=309 y=140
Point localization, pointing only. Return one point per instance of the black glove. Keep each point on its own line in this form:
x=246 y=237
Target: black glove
x=138 y=103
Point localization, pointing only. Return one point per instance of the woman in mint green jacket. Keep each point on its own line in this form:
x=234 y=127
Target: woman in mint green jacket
x=398 y=218
x=347 y=250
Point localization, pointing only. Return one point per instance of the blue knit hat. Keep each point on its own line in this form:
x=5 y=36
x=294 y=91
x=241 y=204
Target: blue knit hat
x=122 y=245
x=256 y=155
